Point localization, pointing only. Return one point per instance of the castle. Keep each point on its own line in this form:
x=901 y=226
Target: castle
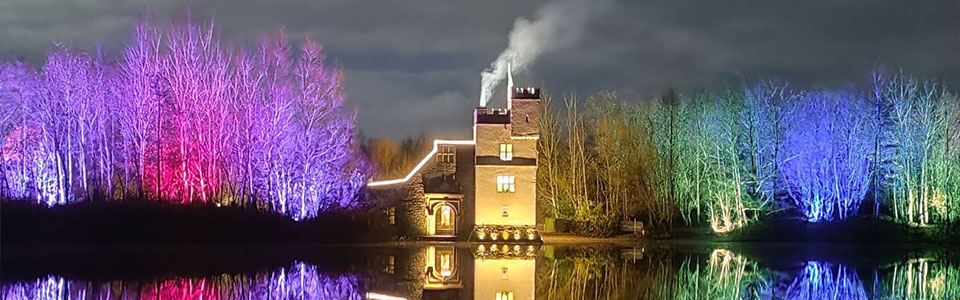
x=483 y=189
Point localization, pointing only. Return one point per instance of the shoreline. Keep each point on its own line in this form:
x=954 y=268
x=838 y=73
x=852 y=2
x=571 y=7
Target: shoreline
x=146 y=225
x=104 y=261
x=625 y=240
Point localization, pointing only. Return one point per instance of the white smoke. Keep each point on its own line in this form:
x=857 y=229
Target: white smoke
x=556 y=25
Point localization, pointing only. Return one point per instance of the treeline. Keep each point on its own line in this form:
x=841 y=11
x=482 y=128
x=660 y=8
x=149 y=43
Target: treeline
x=390 y=159
x=728 y=157
x=184 y=117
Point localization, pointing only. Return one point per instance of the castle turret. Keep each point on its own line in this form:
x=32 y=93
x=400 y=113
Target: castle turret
x=506 y=167
x=525 y=111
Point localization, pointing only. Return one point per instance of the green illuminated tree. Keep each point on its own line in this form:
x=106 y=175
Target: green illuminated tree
x=925 y=169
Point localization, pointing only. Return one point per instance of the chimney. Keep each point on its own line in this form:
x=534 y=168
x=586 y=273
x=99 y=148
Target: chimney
x=509 y=86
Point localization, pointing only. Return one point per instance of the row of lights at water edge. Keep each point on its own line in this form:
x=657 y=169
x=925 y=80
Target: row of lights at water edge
x=516 y=250
x=505 y=234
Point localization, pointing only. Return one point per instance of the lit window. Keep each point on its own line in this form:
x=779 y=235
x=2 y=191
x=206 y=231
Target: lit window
x=504 y=271
x=506 y=211
x=505 y=183
x=392 y=215
x=506 y=152
x=504 y=295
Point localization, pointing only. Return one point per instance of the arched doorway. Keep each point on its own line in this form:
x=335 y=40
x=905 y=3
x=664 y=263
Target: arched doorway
x=445 y=218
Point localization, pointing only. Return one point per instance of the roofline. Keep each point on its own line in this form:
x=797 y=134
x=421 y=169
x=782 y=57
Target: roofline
x=423 y=162
x=450 y=195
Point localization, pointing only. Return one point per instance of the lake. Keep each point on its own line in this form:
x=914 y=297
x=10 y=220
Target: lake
x=656 y=270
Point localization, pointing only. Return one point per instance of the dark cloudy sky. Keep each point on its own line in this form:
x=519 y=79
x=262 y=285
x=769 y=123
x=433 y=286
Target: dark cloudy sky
x=414 y=66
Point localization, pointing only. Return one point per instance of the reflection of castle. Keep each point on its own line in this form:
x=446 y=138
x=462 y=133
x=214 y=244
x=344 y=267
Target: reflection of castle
x=505 y=272
x=484 y=188
x=500 y=272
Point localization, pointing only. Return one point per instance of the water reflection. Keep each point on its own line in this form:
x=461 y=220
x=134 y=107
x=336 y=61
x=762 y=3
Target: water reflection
x=300 y=281
x=725 y=274
x=490 y=271
x=515 y=272
x=922 y=279
x=820 y=280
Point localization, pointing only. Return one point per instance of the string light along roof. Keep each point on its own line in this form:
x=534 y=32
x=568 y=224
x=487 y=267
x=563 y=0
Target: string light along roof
x=423 y=162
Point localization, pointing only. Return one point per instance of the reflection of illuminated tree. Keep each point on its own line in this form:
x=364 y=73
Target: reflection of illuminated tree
x=600 y=274
x=923 y=279
x=596 y=274
x=587 y=274
x=726 y=276
x=301 y=281
x=45 y=288
x=820 y=280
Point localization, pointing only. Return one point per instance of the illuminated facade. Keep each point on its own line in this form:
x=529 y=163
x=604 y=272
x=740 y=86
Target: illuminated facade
x=484 y=188
x=506 y=167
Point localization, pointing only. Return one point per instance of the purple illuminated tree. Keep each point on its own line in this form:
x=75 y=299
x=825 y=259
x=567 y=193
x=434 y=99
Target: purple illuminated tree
x=244 y=110
x=311 y=170
x=182 y=118
x=320 y=154
x=63 y=84
x=273 y=117
x=17 y=82
x=138 y=92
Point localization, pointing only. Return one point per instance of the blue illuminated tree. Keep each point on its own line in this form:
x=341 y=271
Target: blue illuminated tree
x=826 y=160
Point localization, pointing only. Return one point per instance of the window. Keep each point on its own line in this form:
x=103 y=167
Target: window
x=445 y=153
x=392 y=215
x=504 y=295
x=506 y=211
x=504 y=271
x=506 y=152
x=391 y=262
x=505 y=183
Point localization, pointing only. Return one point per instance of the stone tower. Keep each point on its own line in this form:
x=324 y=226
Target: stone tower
x=506 y=167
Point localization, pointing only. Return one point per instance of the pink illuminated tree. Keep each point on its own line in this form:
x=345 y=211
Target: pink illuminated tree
x=199 y=79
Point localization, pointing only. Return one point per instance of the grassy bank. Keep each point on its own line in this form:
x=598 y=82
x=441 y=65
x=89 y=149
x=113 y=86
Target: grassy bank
x=857 y=230
x=151 y=223
x=783 y=227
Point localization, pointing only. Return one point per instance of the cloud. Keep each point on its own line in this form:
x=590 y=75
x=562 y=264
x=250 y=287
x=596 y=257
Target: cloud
x=412 y=65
